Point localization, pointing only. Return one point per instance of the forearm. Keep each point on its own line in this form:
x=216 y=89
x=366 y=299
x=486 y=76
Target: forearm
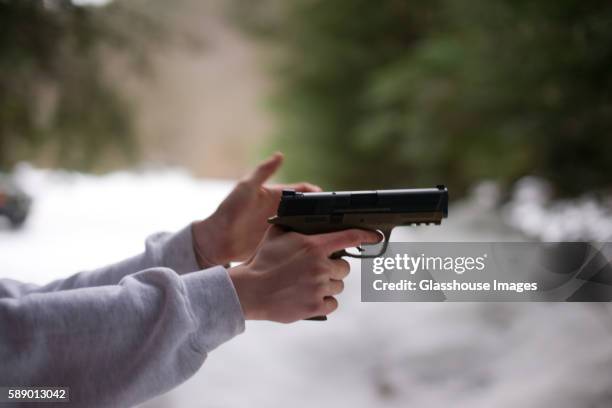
x=174 y=251
x=149 y=333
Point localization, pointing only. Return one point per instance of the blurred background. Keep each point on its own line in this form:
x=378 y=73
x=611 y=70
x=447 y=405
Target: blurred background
x=121 y=118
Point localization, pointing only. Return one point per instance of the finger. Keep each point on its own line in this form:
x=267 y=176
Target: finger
x=266 y=169
x=334 y=287
x=329 y=305
x=304 y=187
x=336 y=241
x=340 y=268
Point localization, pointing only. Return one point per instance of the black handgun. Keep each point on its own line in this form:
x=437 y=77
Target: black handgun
x=379 y=210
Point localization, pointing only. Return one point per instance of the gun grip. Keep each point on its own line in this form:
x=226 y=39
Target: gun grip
x=386 y=233
x=317 y=318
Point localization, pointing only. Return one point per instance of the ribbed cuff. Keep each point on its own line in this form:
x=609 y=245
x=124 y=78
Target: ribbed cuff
x=215 y=305
x=177 y=252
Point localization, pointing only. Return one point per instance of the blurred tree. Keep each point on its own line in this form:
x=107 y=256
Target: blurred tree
x=55 y=96
x=51 y=91
x=400 y=92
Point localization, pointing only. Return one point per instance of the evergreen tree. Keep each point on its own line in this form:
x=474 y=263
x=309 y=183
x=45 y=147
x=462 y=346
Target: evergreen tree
x=55 y=94
x=397 y=92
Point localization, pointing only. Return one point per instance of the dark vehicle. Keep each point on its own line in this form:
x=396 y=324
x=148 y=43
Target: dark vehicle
x=14 y=202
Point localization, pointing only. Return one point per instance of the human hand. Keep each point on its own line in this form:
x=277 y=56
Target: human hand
x=233 y=231
x=291 y=276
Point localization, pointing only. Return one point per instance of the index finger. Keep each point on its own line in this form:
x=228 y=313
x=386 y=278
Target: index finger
x=266 y=169
x=336 y=241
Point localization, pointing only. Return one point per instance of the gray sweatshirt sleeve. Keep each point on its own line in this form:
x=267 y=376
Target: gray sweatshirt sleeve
x=118 y=336
x=174 y=251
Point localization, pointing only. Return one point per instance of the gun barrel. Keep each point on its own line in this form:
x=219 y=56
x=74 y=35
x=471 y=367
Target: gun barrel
x=420 y=200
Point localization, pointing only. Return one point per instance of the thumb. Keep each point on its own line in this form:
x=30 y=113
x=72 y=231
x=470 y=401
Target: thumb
x=266 y=169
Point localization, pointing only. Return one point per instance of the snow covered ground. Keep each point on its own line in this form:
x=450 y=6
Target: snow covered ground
x=366 y=355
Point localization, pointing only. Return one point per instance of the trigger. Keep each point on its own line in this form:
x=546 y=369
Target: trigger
x=384 y=234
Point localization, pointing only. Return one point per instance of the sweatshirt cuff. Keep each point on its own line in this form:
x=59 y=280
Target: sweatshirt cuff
x=215 y=305
x=174 y=251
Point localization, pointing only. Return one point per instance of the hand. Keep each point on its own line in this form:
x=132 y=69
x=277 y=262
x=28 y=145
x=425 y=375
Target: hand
x=236 y=227
x=233 y=231
x=291 y=276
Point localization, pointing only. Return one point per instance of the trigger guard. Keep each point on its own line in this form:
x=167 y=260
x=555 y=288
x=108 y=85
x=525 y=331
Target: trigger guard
x=385 y=243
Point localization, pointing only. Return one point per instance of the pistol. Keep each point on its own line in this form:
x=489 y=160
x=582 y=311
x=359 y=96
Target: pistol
x=378 y=210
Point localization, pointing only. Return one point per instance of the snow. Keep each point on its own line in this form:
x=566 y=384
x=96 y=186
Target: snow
x=532 y=211
x=366 y=355
x=97 y=3
x=81 y=221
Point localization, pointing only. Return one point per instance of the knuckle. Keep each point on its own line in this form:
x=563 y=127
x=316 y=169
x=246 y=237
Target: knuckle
x=331 y=304
x=340 y=286
x=309 y=243
x=311 y=279
x=314 y=277
x=320 y=269
x=347 y=235
x=340 y=269
x=354 y=236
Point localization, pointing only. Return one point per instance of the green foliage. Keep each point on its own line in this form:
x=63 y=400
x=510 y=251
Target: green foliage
x=397 y=93
x=52 y=93
x=56 y=98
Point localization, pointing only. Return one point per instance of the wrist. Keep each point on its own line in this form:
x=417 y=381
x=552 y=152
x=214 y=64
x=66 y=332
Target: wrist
x=245 y=283
x=208 y=243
